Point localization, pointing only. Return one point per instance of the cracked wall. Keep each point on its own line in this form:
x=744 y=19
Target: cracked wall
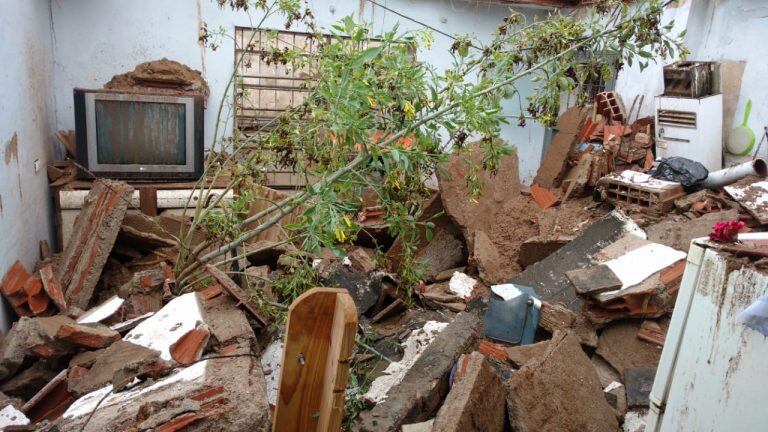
x=26 y=122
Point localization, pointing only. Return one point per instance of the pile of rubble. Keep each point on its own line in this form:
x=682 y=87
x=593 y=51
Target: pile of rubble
x=541 y=308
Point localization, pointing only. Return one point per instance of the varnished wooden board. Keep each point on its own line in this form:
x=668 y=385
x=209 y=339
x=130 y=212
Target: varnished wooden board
x=320 y=336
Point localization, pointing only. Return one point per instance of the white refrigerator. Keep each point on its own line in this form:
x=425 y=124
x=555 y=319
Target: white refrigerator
x=713 y=372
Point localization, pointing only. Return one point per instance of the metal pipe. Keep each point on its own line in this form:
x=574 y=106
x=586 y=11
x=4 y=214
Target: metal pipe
x=735 y=173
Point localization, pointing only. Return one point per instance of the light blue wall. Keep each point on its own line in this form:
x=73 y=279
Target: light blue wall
x=26 y=112
x=97 y=39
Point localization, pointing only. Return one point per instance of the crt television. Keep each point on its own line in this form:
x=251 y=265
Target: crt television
x=130 y=135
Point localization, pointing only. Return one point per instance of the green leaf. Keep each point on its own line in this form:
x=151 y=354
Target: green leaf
x=428 y=235
x=367 y=55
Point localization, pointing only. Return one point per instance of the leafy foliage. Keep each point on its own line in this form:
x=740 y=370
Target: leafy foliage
x=375 y=117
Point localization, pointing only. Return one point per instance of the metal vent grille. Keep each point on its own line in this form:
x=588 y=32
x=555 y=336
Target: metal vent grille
x=677 y=118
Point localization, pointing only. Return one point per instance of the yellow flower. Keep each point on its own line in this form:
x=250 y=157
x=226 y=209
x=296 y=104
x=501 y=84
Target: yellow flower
x=372 y=102
x=347 y=221
x=410 y=111
x=340 y=236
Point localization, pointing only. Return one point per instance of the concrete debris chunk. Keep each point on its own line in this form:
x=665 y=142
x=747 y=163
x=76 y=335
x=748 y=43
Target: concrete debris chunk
x=620 y=347
x=522 y=354
x=594 y=280
x=28 y=382
x=470 y=216
x=424 y=385
x=419 y=427
x=462 y=285
x=639 y=382
x=361 y=259
x=616 y=395
x=445 y=250
x=91 y=374
x=79 y=266
x=413 y=347
x=556 y=317
x=490 y=264
x=476 y=401
x=554 y=165
x=753 y=197
x=10 y=416
x=559 y=391
x=237 y=293
x=271 y=360
x=537 y=248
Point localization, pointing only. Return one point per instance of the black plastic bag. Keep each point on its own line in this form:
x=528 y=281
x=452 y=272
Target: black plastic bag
x=680 y=170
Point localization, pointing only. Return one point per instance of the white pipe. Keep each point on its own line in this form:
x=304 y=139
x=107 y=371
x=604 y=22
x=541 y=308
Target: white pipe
x=735 y=173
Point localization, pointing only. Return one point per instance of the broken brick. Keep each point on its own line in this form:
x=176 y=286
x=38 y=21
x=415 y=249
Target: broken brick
x=493 y=350
x=25 y=292
x=543 y=197
x=51 y=401
x=93 y=336
x=189 y=348
x=52 y=286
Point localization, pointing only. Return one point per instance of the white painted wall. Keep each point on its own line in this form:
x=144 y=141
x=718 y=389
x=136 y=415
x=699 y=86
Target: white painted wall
x=26 y=112
x=716 y=31
x=98 y=39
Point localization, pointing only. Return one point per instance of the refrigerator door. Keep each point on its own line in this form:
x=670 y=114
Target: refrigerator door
x=712 y=374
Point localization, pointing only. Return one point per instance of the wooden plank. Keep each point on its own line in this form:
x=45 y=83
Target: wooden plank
x=594 y=280
x=148 y=200
x=320 y=336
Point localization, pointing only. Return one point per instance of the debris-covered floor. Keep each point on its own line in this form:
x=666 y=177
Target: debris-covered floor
x=177 y=304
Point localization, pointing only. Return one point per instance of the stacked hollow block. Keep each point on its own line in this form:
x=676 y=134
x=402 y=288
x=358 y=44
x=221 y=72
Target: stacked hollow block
x=33 y=295
x=610 y=106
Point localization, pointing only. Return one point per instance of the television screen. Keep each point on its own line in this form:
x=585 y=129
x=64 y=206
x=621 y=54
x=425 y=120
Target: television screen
x=132 y=135
x=130 y=132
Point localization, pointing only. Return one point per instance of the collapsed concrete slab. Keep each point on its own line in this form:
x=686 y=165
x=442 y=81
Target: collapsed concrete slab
x=547 y=277
x=471 y=215
x=559 y=391
x=425 y=384
x=476 y=401
x=218 y=394
x=79 y=266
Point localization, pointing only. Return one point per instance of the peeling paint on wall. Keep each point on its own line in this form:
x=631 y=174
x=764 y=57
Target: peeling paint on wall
x=1 y=206
x=11 y=151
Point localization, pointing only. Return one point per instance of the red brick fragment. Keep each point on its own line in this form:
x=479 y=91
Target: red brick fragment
x=179 y=423
x=211 y=292
x=544 y=197
x=52 y=286
x=88 y=336
x=189 y=348
x=492 y=350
